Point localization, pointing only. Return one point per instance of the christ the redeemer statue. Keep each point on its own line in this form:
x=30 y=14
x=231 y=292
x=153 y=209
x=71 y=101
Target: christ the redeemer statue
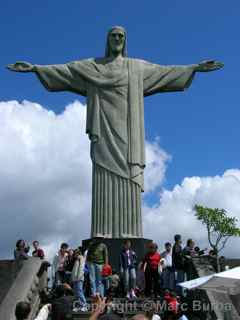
x=115 y=87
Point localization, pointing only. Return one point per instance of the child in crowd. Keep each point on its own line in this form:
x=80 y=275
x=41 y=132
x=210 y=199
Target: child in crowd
x=114 y=284
x=106 y=273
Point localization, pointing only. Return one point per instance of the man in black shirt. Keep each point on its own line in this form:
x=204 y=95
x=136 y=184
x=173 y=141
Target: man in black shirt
x=62 y=304
x=178 y=261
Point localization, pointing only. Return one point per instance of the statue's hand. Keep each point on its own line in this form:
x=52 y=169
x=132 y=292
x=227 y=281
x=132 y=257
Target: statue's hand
x=21 y=66
x=209 y=65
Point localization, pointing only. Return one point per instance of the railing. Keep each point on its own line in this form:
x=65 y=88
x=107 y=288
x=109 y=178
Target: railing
x=30 y=280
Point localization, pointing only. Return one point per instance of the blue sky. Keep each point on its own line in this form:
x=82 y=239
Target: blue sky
x=198 y=128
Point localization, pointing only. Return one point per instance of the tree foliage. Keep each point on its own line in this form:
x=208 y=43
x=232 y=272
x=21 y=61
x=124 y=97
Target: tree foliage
x=220 y=227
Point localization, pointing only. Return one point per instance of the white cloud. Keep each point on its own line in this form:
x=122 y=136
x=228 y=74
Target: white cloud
x=174 y=212
x=45 y=175
x=156 y=160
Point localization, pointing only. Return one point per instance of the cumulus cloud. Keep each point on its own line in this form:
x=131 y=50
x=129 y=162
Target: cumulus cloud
x=156 y=165
x=174 y=213
x=45 y=175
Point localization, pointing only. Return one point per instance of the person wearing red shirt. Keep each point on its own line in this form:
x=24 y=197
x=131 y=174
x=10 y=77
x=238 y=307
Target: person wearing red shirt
x=172 y=302
x=173 y=306
x=150 y=264
x=38 y=252
x=106 y=273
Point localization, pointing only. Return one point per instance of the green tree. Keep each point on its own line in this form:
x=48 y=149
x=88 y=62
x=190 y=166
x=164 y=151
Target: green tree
x=220 y=227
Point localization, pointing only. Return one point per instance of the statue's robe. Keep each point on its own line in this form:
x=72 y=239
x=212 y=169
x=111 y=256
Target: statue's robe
x=115 y=125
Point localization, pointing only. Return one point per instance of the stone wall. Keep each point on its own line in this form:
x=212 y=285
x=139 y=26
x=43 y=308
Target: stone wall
x=8 y=273
x=24 y=282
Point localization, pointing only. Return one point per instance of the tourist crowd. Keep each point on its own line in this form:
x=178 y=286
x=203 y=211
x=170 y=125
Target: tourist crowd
x=79 y=275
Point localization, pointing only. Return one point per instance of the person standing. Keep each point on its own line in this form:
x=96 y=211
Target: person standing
x=59 y=265
x=21 y=250
x=97 y=257
x=37 y=252
x=151 y=263
x=168 y=274
x=190 y=248
x=178 y=261
x=69 y=265
x=188 y=253
x=128 y=261
x=77 y=278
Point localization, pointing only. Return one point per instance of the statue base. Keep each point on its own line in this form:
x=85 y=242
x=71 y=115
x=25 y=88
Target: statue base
x=139 y=245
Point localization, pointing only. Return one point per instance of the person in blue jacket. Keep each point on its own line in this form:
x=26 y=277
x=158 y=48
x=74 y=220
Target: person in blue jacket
x=128 y=260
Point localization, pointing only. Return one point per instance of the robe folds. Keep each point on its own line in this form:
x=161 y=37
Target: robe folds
x=115 y=125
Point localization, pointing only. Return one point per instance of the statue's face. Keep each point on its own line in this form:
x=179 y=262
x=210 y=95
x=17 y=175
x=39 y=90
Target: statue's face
x=116 y=41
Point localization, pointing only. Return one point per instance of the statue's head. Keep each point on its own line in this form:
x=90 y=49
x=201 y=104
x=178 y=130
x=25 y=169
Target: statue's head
x=116 y=42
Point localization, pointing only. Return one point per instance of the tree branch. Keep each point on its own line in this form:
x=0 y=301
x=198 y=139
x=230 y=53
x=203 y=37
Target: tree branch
x=224 y=243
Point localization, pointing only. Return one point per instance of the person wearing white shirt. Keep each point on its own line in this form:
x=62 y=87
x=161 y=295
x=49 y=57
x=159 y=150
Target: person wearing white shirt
x=23 y=310
x=168 y=274
x=43 y=313
x=59 y=265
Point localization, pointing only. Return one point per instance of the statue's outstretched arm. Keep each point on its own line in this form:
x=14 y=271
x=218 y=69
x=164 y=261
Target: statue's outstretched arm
x=21 y=66
x=53 y=77
x=207 y=66
x=158 y=78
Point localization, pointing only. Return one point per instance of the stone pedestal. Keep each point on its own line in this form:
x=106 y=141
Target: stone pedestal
x=115 y=246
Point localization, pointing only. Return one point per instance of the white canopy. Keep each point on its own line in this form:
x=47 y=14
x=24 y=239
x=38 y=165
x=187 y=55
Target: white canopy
x=213 y=280
x=231 y=273
x=192 y=284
